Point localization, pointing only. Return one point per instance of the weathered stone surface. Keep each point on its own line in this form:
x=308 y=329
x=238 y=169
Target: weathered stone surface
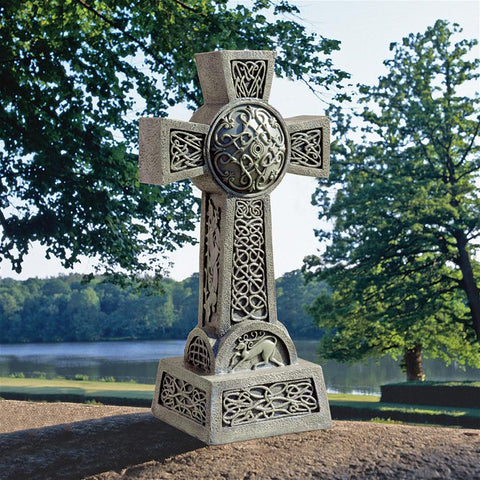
x=227 y=75
x=241 y=405
x=236 y=149
x=168 y=152
x=246 y=346
x=310 y=145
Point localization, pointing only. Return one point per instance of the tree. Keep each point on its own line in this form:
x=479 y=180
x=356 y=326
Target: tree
x=293 y=295
x=82 y=311
x=75 y=75
x=404 y=201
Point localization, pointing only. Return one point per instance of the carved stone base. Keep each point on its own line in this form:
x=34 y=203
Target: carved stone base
x=241 y=405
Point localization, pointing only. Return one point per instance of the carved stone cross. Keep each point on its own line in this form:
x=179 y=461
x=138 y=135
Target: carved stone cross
x=236 y=149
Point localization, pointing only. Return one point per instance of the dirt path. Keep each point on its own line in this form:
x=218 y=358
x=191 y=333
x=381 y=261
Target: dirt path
x=102 y=442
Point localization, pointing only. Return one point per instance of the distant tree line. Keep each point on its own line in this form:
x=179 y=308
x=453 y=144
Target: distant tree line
x=65 y=309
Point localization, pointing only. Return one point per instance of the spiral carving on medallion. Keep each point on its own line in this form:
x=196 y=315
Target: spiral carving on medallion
x=248 y=149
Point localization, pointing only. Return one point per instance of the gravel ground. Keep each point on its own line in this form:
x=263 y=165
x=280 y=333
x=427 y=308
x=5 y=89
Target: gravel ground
x=73 y=441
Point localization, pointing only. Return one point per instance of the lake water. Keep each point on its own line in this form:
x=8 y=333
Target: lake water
x=138 y=361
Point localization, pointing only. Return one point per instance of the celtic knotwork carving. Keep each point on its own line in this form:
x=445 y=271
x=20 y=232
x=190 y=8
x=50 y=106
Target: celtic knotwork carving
x=255 y=349
x=186 y=150
x=247 y=149
x=211 y=270
x=249 y=77
x=249 y=284
x=198 y=355
x=306 y=148
x=183 y=398
x=265 y=402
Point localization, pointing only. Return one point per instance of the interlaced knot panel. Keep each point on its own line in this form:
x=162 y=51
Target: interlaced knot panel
x=249 y=279
x=211 y=270
x=198 y=354
x=249 y=77
x=186 y=150
x=264 y=402
x=248 y=149
x=306 y=148
x=182 y=397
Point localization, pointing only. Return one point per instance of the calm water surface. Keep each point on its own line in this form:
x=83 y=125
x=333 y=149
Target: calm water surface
x=138 y=361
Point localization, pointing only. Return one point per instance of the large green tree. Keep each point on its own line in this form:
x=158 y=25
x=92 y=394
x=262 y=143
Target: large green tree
x=75 y=75
x=402 y=255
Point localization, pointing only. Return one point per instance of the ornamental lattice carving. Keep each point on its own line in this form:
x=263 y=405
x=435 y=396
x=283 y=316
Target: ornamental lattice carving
x=255 y=349
x=185 y=399
x=266 y=402
x=249 y=279
x=198 y=355
x=306 y=148
x=186 y=150
x=211 y=270
x=249 y=77
x=247 y=149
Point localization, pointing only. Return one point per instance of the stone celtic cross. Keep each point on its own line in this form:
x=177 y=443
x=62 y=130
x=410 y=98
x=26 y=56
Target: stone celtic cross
x=240 y=377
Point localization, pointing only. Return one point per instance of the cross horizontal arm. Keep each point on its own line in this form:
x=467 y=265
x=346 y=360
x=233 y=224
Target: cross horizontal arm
x=310 y=145
x=170 y=150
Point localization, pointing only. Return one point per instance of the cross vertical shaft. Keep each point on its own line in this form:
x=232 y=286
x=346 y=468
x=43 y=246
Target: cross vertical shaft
x=237 y=279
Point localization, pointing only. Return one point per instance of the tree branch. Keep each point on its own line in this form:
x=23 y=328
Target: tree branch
x=190 y=9
x=4 y=223
x=142 y=45
x=467 y=150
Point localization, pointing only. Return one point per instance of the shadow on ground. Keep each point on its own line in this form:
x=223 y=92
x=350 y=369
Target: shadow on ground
x=80 y=449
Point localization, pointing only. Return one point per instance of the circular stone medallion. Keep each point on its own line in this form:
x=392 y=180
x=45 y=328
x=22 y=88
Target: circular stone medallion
x=248 y=148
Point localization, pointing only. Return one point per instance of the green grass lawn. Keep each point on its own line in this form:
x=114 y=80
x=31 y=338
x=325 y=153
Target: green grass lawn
x=343 y=406
x=90 y=388
x=86 y=388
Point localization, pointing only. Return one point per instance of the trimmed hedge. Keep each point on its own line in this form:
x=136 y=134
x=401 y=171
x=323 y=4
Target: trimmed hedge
x=343 y=412
x=444 y=394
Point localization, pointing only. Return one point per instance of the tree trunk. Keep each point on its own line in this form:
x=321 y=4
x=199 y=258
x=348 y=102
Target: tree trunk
x=468 y=281
x=413 y=362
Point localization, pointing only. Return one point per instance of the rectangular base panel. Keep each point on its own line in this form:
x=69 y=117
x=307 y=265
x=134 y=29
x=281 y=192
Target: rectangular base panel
x=242 y=405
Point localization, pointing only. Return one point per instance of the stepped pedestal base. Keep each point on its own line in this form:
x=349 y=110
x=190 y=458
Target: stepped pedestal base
x=234 y=406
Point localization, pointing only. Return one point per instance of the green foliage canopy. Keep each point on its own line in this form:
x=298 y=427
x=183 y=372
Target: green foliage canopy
x=403 y=197
x=75 y=75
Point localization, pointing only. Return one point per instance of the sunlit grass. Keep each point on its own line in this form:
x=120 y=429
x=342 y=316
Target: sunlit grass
x=87 y=388
x=350 y=397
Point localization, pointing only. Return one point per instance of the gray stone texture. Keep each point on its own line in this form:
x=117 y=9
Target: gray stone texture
x=161 y=161
x=227 y=75
x=240 y=377
x=239 y=406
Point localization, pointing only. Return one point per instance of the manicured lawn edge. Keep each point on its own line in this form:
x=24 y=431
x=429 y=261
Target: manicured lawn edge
x=77 y=398
x=428 y=415
x=342 y=407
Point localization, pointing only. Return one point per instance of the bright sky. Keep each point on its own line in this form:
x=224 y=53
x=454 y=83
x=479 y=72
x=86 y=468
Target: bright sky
x=366 y=29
